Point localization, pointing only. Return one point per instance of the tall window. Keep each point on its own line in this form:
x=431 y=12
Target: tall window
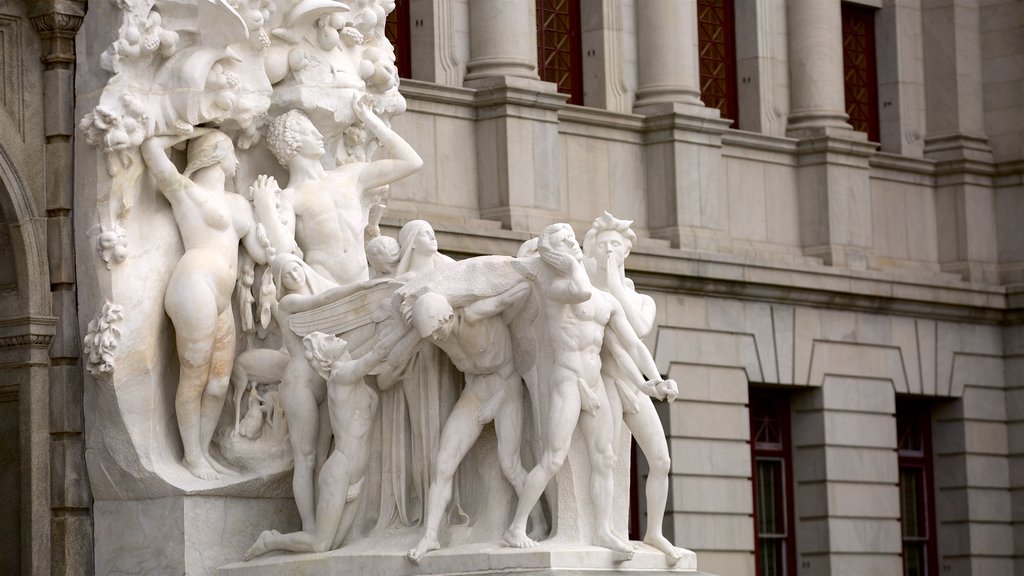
x=559 y=48
x=917 y=507
x=397 y=31
x=775 y=546
x=716 y=35
x=860 y=76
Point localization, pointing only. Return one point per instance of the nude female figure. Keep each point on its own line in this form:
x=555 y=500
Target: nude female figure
x=211 y=222
x=352 y=406
x=607 y=244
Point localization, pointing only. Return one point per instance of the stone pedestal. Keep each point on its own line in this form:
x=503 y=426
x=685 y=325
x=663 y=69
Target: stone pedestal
x=470 y=560
x=175 y=535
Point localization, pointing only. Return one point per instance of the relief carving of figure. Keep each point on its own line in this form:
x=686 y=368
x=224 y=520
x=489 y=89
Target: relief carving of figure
x=352 y=406
x=330 y=207
x=211 y=222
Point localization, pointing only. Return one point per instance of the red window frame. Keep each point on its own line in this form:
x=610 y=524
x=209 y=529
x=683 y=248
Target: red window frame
x=716 y=37
x=914 y=448
x=771 y=443
x=560 y=47
x=398 y=31
x=860 y=74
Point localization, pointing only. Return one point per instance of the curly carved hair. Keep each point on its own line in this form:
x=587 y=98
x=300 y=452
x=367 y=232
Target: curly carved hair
x=605 y=223
x=281 y=136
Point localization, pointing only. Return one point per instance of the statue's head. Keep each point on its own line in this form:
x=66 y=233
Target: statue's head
x=559 y=238
x=608 y=235
x=323 y=350
x=211 y=149
x=433 y=316
x=292 y=134
x=383 y=253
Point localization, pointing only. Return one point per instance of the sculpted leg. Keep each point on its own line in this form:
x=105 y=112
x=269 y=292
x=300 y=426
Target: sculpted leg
x=508 y=427
x=597 y=430
x=195 y=324
x=562 y=418
x=650 y=436
x=460 y=432
x=217 y=386
x=301 y=411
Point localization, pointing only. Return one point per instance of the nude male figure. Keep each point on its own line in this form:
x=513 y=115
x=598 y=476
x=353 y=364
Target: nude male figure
x=352 y=406
x=575 y=317
x=477 y=340
x=323 y=213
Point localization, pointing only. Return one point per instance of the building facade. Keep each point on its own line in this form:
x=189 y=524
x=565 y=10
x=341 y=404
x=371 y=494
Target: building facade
x=828 y=196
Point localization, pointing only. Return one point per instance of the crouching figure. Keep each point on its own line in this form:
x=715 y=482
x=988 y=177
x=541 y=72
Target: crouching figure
x=352 y=406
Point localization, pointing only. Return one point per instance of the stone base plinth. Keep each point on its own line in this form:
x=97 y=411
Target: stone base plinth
x=183 y=535
x=386 y=555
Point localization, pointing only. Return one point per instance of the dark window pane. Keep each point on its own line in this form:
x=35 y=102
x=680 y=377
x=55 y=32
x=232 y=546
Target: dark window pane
x=715 y=32
x=558 y=46
x=859 y=69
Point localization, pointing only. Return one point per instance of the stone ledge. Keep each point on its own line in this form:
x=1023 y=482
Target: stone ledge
x=387 y=556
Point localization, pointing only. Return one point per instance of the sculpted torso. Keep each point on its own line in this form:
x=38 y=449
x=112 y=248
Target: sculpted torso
x=352 y=426
x=481 y=347
x=210 y=232
x=576 y=333
x=329 y=221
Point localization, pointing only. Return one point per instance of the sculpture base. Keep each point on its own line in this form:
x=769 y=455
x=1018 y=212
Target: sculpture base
x=190 y=535
x=386 y=555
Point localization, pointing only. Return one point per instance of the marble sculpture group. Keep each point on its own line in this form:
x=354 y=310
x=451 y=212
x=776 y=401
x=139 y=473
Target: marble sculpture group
x=306 y=340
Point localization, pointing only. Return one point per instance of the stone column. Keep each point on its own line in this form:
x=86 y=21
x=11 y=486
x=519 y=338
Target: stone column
x=502 y=39
x=761 y=64
x=517 y=117
x=440 y=40
x=667 y=54
x=57 y=22
x=817 y=100
x=955 y=137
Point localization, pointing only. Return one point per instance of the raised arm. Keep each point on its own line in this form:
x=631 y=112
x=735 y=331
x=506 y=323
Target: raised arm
x=639 y=308
x=496 y=304
x=404 y=160
x=573 y=287
x=160 y=166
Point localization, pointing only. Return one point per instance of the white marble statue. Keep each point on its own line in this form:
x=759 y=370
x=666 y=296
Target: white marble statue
x=574 y=320
x=198 y=296
x=416 y=409
x=352 y=406
x=606 y=246
x=322 y=212
x=477 y=340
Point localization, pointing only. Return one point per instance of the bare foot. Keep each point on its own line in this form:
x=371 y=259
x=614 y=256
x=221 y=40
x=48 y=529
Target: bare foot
x=538 y=524
x=659 y=542
x=221 y=468
x=426 y=544
x=201 y=469
x=517 y=538
x=260 y=547
x=612 y=542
